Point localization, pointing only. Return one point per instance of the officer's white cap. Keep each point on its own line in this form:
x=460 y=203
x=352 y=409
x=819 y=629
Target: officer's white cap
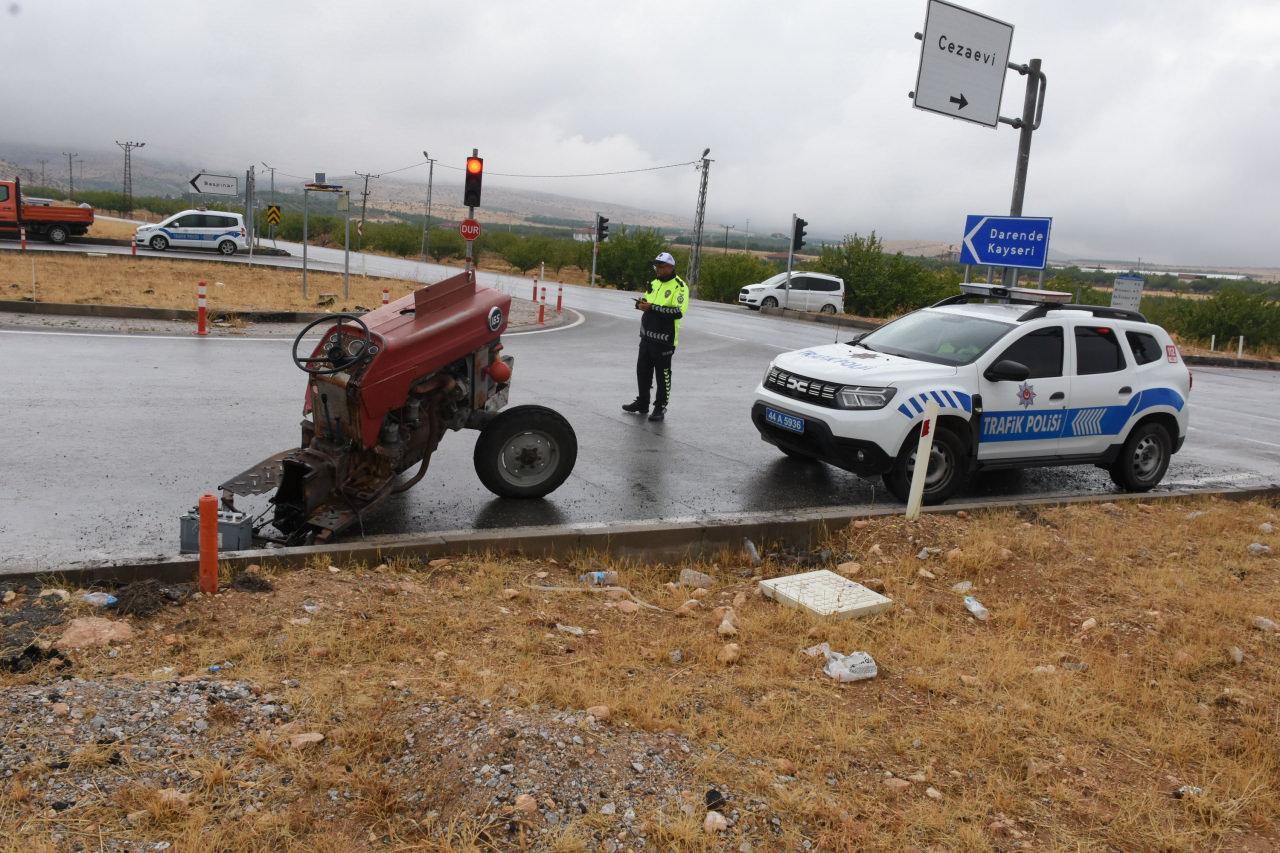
x=665 y=258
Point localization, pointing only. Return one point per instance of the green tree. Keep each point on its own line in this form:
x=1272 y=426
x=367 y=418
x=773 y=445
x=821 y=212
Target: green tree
x=446 y=244
x=626 y=260
x=722 y=276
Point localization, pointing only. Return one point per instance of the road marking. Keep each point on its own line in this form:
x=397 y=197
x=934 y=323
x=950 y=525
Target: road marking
x=1241 y=438
x=137 y=337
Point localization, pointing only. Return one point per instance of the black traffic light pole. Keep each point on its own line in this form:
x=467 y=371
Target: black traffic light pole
x=797 y=242
x=471 y=198
x=601 y=234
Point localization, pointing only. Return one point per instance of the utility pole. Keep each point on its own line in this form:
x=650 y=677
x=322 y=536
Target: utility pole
x=42 y=179
x=71 y=174
x=746 y=237
x=426 y=221
x=726 y=236
x=364 y=203
x=127 y=202
x=695 y=254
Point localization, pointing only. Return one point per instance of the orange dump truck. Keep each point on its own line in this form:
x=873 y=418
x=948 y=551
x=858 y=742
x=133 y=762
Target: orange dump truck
x=42 y=219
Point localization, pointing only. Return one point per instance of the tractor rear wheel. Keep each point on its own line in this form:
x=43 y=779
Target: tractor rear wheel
x=525 y=452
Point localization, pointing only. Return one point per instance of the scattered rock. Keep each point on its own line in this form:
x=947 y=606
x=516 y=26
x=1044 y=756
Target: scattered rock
x=1262 y=623
x=628 y=607
x=1257 y=549
x=1044 y=669
x=88 y=631
x=739 y=601
x=925 y=574
x=714 y=823
x=60 y=709
x=173 y=797
x=786 y=767
x=690 y=577
x=688 y=608
x=875 y=585
x=600 y=712
x=1188 y=791
x=438 y=563
x=675 y=656
x=1194 y=514
x=1237 y=654
x=970 y=680
x=572 y=630
x=727 y=628
x=923 y=555
x=608 y=809
x=1267 y=528
x=509 y=594
x=9 y=596
x=300 y=621
x=861 y=524
x=876 y=550
x=933 y=793
x=1088 y=624
x=893 y=783
x=699 y=593
x=730 y=654
x=920 y=777
x=954 y=555
x=962 y=587
x=849 y=567
x=305 y=739
x=526 y=805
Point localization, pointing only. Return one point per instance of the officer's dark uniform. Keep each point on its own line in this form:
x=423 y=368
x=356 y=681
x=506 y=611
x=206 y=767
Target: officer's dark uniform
x=659 y=336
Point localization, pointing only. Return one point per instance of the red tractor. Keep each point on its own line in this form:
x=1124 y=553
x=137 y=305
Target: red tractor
x=382 y=389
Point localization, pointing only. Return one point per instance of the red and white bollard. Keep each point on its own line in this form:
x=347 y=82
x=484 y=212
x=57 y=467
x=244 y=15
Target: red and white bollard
x=22 y=234
x=386 y=296
x=544 y=294
x=133 y=246
x=542 y=313
x=202 y=310
x=560 y=299
x=535 y=289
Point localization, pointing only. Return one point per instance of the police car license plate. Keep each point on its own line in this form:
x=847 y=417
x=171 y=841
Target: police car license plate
x=781 y=419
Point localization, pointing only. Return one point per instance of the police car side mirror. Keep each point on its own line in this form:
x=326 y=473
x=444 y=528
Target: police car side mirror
x=1007 y=371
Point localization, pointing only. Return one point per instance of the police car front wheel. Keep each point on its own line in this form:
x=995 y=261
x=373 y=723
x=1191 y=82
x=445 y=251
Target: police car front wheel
x=159 y=243
x=1143 y=460
x=943 y=477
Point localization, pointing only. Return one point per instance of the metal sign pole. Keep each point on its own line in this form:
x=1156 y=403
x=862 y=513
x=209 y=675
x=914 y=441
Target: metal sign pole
x=1032 y=107
x=595 y=249
x=791 y=251
x=305 y=194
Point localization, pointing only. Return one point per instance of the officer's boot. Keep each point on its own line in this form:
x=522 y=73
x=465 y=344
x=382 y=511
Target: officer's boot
x=659 y=412
x=638 y=407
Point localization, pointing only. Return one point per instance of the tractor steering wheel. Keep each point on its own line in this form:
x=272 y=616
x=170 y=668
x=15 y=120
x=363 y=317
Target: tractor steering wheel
x=341 y=352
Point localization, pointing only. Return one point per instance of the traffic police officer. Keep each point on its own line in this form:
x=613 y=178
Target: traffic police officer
x=663 y=305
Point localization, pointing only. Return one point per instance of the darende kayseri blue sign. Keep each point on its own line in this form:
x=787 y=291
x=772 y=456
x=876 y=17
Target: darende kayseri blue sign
x=1006 y=241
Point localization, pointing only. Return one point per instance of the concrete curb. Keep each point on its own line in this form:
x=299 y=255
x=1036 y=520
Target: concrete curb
x=264 y=251
x=1224 y=361
x=828 y=319
x=659 y=539
x=840 y=320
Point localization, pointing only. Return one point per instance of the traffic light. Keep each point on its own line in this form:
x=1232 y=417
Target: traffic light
x=602 y=228
x=471 y=186
x=797 y=236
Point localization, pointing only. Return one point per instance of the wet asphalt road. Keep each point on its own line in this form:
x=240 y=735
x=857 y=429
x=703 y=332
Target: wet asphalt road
x=111 y=437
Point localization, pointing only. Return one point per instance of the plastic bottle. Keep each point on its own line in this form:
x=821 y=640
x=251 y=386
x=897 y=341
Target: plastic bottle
x=600 y=578
x=975 y=607
x=99 y=599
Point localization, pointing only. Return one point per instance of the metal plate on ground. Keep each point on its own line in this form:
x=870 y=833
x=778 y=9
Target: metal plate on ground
x=825 y=593
x=259 y=479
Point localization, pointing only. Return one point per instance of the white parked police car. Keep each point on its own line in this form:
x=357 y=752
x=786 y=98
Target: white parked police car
x=1024 y=381
x=197 y=229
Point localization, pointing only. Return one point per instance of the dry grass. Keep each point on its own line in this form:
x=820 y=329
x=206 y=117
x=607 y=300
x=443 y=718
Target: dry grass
x=123 y=280
x=1073 y=758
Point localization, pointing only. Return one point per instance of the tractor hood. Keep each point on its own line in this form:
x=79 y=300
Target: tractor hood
x=850 y=365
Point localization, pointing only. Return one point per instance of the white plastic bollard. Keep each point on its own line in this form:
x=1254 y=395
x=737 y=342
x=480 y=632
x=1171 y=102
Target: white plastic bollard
x=1213 y=340
x=916 y=496
x=1240 y=348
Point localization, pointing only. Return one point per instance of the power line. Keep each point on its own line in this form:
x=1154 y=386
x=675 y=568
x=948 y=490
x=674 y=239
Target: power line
x=582 y=174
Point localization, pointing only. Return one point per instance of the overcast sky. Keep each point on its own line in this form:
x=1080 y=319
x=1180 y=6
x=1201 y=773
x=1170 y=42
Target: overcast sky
x=1160 y=135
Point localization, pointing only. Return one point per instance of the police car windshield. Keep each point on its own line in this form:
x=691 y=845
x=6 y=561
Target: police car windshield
x=937 y=337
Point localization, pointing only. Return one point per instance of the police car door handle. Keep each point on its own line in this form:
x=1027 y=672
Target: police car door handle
x=1126 y=390
x=1057 y=395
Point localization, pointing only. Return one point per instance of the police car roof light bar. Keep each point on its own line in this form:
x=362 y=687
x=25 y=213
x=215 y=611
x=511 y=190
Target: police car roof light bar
x=1014 y=294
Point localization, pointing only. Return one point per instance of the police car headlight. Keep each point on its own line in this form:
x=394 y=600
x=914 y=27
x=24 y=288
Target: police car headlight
x=864 y=397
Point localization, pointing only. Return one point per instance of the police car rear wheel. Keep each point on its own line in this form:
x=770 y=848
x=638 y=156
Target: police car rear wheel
x=944 y=475
x=828 y=308
x=1143 y=460
x=159 y=243
x=525 y=452
x=227 y=247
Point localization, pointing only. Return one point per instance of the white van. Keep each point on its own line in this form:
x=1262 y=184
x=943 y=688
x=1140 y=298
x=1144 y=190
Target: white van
x=197 y=229
x=810 y=291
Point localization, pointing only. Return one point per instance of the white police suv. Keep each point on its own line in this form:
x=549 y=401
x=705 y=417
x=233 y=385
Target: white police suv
x=1020 y=379
x=197 y=229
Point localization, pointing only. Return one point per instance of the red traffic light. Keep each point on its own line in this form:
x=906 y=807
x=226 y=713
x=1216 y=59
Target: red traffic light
x=475 y=165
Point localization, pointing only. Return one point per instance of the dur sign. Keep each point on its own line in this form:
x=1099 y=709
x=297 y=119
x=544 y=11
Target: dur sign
x=1006 y=241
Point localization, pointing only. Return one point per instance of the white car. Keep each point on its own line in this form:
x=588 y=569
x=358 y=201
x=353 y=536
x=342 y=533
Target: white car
x=197 y=229
x=809 y=291
x=1026 y=381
